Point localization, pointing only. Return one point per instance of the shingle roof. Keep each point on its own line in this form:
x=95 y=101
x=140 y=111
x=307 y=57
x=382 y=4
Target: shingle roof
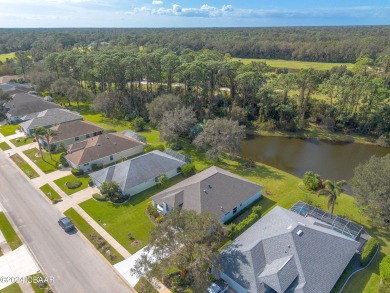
x=213 y=190
x=282 y=246
x=133 y=172
x=98 y=147
x=73 y=129
x=24 y=103
x=49 y=118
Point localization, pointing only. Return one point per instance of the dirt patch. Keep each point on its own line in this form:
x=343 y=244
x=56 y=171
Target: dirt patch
x=135 y=243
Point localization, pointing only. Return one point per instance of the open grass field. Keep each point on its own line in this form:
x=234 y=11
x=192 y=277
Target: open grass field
x=21 y=141
x=50 y=192
x=130 y=217
x=4 y=146
x=278 y=63
x=24 y=166
x=13 y=288
x=4 y=57
x=87 y=231
x=8 y=129
x=47 y=165
x=9 y=233
x=62 y=181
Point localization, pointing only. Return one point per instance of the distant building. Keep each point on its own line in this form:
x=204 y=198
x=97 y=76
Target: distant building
x=103 y=149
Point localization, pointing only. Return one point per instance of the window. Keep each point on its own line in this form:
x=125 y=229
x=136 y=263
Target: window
x=111 y=157
x=76 y=138
x=87 y=136
x=178 y=170
x=235 y=210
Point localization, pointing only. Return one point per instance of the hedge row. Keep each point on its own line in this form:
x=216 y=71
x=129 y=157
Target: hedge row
x=73 y=184
x=188 y=170
x=77 y=172
x=384 y=269
x=236 y=230
x=369 y=251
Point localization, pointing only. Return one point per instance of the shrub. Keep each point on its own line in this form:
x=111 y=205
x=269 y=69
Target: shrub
x=384 y=140
x=158 y=147
x=99 y=197
x=73 y=184
x=188 y=170
x=77 y=172
x=311 y=180
x=138 y=124
x=96 y=167
x=90 y=182
x=384 y=269
x=159 y=219
x=236 y=230
x=63 y=161
x=152 y=210
x=369 y=251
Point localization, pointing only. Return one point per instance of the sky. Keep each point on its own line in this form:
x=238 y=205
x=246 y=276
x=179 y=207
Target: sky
x=191 y=13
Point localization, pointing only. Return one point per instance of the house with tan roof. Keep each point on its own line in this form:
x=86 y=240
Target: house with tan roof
x=214 y=190
x=71 y=132
x=103 y=149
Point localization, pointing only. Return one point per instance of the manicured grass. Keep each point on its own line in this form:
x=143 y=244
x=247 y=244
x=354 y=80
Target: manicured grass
x=87 y=230
x=4 y=146
x=278 y=63
x=62 y=181
x=131 y=217
x=8 y=129
x=21 y=141
x=26 y=168
x=50 y=192
x=13 y=288
x=47 y=165
x=4 y=57
x=35 y=284
x=9 y=233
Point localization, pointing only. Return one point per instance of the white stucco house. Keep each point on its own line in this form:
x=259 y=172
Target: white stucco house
x=103 y=149
x=213 y=190
x=138 y=174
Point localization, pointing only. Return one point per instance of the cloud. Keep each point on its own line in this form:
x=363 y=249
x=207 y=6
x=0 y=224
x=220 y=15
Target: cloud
x=228 y=10
x=157 y=2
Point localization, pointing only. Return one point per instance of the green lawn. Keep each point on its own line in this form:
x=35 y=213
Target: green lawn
x=131 y=217
x=21 y=141
x=4 y=146
x=62 y=181
x=47 y=165
x=277 y=63
x=50 y=192
x=4 y=57
x=13 y=288
x=9 y=233
x=8 y=129
x=87 y=230
x=24 y=166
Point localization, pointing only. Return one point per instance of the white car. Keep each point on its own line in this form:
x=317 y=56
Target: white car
x=219 y=286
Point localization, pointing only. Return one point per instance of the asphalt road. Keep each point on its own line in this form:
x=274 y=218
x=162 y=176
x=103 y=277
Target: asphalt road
x=75 y=265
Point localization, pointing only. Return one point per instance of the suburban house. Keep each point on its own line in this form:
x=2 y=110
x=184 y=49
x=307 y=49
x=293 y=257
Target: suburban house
x=140 y=173
x=103 y=149
x=71 y=132
x=286 y=252
x=48 y=118
x=23 y=104
x=213 y=190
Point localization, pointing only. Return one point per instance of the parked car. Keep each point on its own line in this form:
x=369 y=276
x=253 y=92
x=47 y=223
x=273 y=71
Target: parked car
x=66 y=224
x=219 y=286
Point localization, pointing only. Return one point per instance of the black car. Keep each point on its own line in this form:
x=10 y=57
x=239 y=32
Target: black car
x=66 y=224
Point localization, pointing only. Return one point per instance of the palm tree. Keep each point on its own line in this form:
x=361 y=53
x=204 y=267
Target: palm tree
x=332 y=190
x=38 y=131
x=48 y=134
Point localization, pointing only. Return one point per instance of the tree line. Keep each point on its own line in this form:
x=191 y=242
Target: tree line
x=325 y=44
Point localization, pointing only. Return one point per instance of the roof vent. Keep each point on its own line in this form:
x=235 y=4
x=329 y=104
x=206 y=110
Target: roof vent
x=300 y=233
x=107 y=136
x=209 y=186
x=289 y=227
x=205 y=191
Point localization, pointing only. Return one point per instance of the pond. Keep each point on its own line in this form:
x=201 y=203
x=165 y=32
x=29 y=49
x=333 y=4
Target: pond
x=334 y=161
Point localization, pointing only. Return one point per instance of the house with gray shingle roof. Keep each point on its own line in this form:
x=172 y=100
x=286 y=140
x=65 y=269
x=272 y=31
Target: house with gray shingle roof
x=213 y=190
x=286 y=252
x=103 y=150
x=140 y=173
x=48 y=118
